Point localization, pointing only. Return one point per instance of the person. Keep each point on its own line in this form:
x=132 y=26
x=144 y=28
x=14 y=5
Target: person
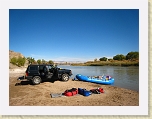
x=107 y=77
x=100 y=77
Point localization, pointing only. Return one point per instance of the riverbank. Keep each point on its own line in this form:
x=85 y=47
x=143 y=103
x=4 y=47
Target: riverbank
x=39 y=95
x=108 y=63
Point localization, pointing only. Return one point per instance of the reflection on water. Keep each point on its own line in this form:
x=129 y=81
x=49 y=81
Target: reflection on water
x=125 y=77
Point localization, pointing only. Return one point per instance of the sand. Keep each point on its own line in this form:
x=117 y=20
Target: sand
x=26 y=94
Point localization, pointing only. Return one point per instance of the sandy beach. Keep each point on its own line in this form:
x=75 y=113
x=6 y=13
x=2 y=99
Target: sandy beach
x=26 y=94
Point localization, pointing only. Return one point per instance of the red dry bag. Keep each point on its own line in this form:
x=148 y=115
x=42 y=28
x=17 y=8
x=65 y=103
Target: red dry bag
x=71 y=92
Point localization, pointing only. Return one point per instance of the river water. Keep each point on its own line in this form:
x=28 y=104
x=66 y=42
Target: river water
x=125 y=77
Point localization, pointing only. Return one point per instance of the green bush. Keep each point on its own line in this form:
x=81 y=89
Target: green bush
x=21 y=61
x=39 y=61
x=103 y=59
x=18 y=61
x=132 y=56
x=50 y=62
x=119 y=57
x=14 y=60
x=31 y=60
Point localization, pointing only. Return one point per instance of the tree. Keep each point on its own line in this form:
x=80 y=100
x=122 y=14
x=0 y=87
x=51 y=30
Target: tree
x=132 y=56
x=43 y=61
x=39 y=61
x=119 y=57
x=103 y=59
x=50 y=62
x=30 y=60
x=95 y=59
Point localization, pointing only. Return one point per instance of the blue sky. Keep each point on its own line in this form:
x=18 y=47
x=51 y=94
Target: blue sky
x=73 y=34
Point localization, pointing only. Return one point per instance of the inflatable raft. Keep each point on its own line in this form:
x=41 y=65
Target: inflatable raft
x=106 y=80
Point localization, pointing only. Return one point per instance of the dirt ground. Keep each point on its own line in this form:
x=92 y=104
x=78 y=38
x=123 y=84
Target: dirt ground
x=26 y=94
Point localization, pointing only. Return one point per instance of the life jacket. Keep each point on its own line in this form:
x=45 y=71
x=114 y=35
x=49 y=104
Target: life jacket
x=71 y=92
x=108 y=77
x=100 y=90
x=97 y=91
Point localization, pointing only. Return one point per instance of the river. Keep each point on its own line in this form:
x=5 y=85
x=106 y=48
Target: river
x=125 y=77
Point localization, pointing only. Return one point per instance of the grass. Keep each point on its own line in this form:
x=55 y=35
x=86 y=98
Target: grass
x=108 y=63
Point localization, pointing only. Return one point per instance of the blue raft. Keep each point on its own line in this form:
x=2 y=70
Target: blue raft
x=106 y=80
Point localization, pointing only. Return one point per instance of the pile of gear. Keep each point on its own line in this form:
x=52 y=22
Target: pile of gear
x=78 y=91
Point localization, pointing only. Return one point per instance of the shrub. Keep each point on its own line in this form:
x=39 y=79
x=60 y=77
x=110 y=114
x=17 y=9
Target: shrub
x=103 y=59
x=119 y=57
x=39 y=61
x=21 y=61
x=51 y=62
x=132 y=56
x=14 y=60
x=18 y=61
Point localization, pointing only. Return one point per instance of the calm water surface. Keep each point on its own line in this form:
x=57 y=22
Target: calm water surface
x=125 y=77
